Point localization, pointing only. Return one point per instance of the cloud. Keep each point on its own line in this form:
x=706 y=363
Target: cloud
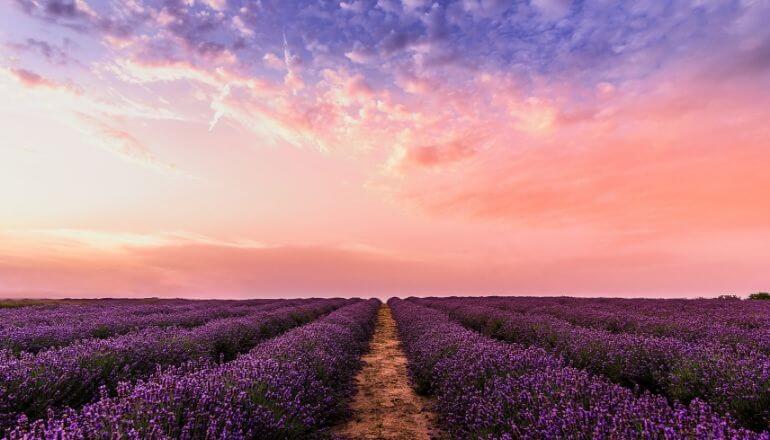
x=83 y=241
x=217 y=5
x=67 y=98
x=443 y=92
x=293 y=79
x=29 y=78
x=413 y=5
x=412 y=83
x=553 y=9
x=241 y=27
x=354 y=6
x=121 y=143
x=273 y=61
x=396 y=41
x=439 y=154
x=87 y=114
x=361 y=54
x=483 y=9
x=68 y=9
x=645 y=120
x=272 y=111
x=391 y=6
x=181 y=263
x=79 y=16
x=119 y=264
x=35 y=82
x=652 y=160
x=357 y=87
x=51 y=52
x=143 y=72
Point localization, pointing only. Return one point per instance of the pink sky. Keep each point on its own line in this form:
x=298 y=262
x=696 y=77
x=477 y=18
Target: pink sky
x=377 y=148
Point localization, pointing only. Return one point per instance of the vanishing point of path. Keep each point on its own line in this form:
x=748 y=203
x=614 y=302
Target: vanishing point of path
x=385 y=406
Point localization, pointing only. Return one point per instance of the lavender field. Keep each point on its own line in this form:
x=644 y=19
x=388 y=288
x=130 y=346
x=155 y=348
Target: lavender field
x=459 y=368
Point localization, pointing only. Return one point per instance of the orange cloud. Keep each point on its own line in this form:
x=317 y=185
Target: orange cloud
x=30 y=79
x=655 y=158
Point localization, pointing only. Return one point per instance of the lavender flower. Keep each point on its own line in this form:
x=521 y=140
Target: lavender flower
x=496 y=390
x=293 y=386
x=73 y=375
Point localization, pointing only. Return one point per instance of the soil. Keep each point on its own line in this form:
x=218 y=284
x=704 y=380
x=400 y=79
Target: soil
x=385 y=405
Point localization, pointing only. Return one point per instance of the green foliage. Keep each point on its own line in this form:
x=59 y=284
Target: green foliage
x=15 y=303
x=760 y=296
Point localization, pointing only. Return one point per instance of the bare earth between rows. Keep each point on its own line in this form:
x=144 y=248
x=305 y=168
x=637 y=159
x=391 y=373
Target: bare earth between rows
x=385 y=405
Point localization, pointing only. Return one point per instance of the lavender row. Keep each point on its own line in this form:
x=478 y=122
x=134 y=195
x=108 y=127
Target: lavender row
x=733 y=383
x=73 y=312
x=57 y=312
x=73 y=375
x=492 y=390
x=687 y=326
x=114 y=321
x=743 y=314
x=293 y=386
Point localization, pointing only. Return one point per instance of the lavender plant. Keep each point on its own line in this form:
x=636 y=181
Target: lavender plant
x=294 y=386
x=31 y=385
x=486 y=389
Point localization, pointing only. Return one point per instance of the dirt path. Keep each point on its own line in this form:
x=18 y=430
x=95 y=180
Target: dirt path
x=385 y=406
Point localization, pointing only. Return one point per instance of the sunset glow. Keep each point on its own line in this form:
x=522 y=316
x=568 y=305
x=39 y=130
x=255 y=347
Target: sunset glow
x=231 y=149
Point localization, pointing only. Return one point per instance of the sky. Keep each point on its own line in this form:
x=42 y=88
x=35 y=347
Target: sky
x=283 y=148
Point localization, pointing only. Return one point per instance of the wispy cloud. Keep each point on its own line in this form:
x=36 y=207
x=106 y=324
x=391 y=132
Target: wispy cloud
x=30 y=79
x=89 y=114
x=52 y=52
x=122 y=143
x=91 y=263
